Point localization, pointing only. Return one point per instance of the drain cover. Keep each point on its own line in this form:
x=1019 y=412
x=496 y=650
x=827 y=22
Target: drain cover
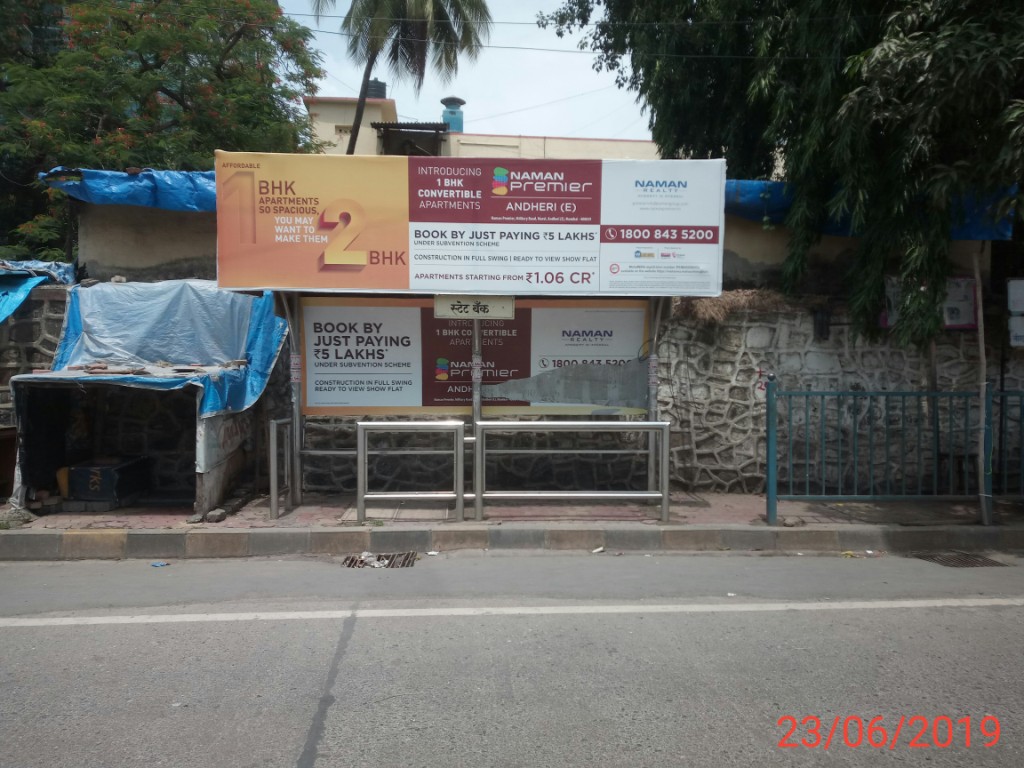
x=957 y=559
x=367 y=560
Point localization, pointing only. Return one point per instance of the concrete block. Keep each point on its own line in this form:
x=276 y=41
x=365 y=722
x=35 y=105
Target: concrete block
x=1010 y=539
x=857 y=538
x=72 y=507
x=93 y=545
x=976 y=538
x=278 y=541
x=806 y=540
x=911 y=539
x=29 y=545
x=99 y=507
x=515 y=538
x=636 y=539
x=690 y=539
x=448 y=538
x=213 y=543
x=574 y=538
x=162 y=544
x=399 y=540
x=748 y=538
x=347 y=541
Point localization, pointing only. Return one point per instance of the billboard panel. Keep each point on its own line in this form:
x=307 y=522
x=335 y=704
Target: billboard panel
x=377 y=356
x=355 y=224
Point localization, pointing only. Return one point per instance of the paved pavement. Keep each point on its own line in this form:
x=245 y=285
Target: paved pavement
x=327 y=525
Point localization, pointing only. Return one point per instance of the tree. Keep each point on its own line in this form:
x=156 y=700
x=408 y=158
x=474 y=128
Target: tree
x=155 y=83
x=889 y=113
x=412 y=35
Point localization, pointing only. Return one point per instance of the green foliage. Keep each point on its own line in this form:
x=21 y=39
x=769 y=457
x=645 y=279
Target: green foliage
x=148 y=83
x=689 y=63
x=889 y=112
x=412 y=36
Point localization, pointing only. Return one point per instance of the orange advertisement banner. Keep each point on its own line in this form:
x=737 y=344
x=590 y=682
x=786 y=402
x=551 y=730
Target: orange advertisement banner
x=288 y=221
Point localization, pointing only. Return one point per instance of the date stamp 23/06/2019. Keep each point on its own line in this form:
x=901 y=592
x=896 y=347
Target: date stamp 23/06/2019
x=912 y=732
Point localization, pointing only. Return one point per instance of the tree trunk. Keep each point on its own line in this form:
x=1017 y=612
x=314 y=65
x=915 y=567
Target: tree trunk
x=360 y=105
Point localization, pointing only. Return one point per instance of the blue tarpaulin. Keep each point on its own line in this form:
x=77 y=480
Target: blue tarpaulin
x=169 y=190
x=169 y=335
x=18 y=278
x=196 y=191
x=58 y=271
x=14 y=289
x=771 y=200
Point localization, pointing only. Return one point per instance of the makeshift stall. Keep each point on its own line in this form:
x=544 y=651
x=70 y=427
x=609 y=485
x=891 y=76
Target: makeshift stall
x=150 y=380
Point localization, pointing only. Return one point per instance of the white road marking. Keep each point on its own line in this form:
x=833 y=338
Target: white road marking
x=543 y=610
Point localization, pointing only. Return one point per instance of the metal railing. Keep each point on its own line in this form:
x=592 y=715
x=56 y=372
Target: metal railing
x=483 y=428
x=455 y=427
x=274 y=426
x=882 y=446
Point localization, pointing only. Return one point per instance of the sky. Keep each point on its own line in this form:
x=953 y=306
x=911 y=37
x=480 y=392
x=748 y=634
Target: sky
x=511 y=88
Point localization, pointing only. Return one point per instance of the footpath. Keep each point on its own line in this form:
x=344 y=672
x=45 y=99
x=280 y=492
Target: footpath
x=325 y=525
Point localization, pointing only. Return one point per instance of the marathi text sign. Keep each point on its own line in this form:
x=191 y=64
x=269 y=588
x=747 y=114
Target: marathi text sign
x=333 y=223
x=365 y=356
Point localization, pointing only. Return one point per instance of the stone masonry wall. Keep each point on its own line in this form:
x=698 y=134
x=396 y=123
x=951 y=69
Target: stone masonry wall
x=712 y=389
x=28 y=339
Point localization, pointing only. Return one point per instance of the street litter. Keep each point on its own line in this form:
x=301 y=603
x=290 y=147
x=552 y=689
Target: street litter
x=159 y=564
x=432 y=553
x=730 y=594
x=850 y=553
x=597 y=551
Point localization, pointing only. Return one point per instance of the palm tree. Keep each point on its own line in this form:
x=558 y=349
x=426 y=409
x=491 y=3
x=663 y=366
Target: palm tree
x=410 y=34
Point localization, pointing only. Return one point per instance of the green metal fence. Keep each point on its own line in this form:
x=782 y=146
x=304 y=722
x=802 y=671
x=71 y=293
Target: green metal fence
x=886 y=446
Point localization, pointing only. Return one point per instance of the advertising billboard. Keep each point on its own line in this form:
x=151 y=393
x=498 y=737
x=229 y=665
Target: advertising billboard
x=376 y=356
x=368 y=224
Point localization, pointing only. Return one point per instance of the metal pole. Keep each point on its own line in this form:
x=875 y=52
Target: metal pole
x=477 y=370
x=663 y=474
x=478 y=467
x=771 y=448
x=295 y=347
x=478 y=471
x=985 y=458
x=272 y=462
x=460 y=471
x=652 y=391
x=360 y=474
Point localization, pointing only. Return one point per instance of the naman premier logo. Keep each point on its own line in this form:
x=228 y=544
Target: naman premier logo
x=441 y=369
x=506 y=181
x=499 y=185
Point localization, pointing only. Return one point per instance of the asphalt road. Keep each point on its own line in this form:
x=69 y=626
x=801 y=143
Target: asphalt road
x=480 y=659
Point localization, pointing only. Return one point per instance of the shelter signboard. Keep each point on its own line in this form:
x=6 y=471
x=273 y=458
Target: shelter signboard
x=351 y=224
x=374 y=356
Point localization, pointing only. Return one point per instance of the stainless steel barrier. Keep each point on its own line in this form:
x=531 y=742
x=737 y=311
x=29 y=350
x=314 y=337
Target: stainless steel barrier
x=455 y=428
x=659 y=428
x=274 y=426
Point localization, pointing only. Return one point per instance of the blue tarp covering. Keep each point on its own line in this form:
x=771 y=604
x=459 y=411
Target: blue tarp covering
x=771 y=200
x=169 y=190
x=58 y=271
x=14 y=289
x=196 y=191
x=170 y=335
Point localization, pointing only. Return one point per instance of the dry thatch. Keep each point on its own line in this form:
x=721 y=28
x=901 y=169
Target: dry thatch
x=713 y=311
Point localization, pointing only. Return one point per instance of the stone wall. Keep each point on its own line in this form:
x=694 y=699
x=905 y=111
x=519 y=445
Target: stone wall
x=28 y=339
x=712 y=389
